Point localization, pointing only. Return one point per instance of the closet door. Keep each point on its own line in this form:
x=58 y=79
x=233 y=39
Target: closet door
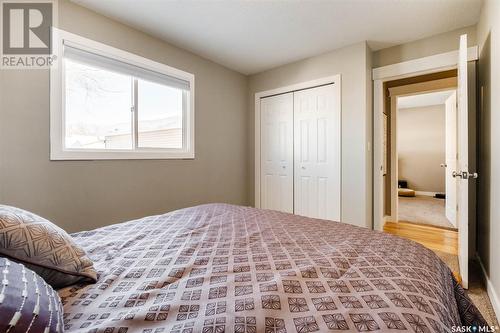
x=277 y=152
x=317 y=152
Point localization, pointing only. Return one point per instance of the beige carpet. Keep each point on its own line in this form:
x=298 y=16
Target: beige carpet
x=450 y=259
x=424 y=210
x=477 y=293
x=477 y=289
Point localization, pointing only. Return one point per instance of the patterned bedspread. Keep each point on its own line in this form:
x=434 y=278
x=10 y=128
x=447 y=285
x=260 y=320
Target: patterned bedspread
x=224 y=268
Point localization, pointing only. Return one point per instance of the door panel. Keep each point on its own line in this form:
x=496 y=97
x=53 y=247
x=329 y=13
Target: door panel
x=277 y=150
x=463 y=164
x=317 y=152
x=322 y=140
x=304 y=191
x=451 y=158
x=304 y=140
x=322 y=196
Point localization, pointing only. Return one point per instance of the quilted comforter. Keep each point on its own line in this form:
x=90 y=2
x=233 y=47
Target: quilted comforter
x=224 y=268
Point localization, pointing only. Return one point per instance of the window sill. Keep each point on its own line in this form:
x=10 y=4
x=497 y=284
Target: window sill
x=72 y=155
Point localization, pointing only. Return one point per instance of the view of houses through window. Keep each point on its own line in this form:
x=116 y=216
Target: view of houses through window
x=99 y=108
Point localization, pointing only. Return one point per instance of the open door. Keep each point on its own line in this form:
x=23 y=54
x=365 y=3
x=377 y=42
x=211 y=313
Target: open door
x=451 y=158
x=462 y=173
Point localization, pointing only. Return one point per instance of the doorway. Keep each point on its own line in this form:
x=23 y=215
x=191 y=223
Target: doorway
x=426 y=156
x=415 y=73
x=422 y=119
x=415 y=142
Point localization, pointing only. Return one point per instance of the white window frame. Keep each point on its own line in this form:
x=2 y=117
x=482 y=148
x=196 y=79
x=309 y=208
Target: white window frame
x=58 y=151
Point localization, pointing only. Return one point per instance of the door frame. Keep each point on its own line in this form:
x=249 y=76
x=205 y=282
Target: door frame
x=446 y=84
x=426 y=65
x=334 y=79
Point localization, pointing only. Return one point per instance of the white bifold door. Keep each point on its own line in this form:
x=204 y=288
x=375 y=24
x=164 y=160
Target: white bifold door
x=277 y=152
x=300 y=152
x=317 y=153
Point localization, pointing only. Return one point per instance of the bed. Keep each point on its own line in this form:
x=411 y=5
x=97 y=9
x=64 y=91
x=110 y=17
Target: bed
x=225 y=268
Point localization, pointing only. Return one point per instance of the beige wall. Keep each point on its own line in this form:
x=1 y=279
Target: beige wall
x=424 y=47
x=489 y=144
x=421 y=147
x=80 y=195
x=352 y=63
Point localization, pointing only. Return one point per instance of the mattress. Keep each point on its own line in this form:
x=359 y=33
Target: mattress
x=224 y=268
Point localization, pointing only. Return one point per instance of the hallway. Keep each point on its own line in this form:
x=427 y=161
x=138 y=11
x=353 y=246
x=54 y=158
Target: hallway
x=423 y=209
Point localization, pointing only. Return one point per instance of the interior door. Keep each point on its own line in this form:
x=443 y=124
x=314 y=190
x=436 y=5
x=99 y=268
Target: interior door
x=451 y=157
x=462 y=172
x=277 y=152
x=317 y=152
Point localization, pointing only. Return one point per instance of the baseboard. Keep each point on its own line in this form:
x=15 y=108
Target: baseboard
x=427 y=194
x=495 y=300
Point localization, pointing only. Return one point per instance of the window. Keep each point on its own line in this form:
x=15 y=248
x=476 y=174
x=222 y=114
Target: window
x=111 y=104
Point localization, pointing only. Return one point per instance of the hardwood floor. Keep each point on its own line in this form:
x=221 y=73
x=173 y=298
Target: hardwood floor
x=437 y=239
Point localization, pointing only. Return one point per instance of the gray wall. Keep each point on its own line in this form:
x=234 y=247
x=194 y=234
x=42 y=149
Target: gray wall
x=421 y=147
x=441 y=43
x=80 y=195
x=353 y=64
x=489 y=144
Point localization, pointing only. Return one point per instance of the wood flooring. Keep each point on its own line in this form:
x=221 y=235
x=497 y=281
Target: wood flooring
x=434 y=238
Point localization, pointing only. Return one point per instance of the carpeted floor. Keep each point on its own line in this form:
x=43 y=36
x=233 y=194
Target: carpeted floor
x=477 y=289
x=477 y=292
x=424 y=210
x=450 y=259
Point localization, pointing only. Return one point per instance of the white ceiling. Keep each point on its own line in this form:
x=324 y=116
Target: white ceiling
x=421 y=100
x=252 y=36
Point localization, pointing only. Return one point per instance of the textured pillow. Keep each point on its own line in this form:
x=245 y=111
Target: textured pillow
x=27 y=302
x=43 y=247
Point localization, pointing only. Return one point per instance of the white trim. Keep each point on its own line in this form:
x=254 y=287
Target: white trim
x=393 y=143
x=426 y=65
x=57 y=150
x=294 y=87
x=378 y=158
x=492 y=294
x=427 y=194
x=442 y=61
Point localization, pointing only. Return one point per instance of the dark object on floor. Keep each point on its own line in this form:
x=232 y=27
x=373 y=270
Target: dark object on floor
x=402 y=184
x=440 y=196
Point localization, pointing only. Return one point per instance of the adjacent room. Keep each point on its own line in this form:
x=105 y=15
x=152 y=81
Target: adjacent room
x=426 y=136
x=249 y=166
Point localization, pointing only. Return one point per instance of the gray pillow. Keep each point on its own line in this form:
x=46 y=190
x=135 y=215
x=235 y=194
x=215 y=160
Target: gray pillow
x=27 y=302
x=43 y=247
